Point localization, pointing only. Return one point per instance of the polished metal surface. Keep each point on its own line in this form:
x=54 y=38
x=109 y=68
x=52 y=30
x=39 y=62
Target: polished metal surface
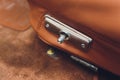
x=75 y=37
x=63 y=36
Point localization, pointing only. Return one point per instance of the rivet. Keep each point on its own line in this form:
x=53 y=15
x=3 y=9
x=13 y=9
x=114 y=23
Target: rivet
x=83 y=45
x=47 y=25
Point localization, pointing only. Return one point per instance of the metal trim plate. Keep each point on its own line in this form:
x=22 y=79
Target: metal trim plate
x=56 y=26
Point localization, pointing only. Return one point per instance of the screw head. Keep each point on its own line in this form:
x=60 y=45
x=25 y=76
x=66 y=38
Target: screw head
x=47 y=25
x=50 y=52
x=83 y=45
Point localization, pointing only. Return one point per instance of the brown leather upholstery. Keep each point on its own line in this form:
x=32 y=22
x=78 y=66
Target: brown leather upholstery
x=102 y=16
x=14 y=14
x=92 y=18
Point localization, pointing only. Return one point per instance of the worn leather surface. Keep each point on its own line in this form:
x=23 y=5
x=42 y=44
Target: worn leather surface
x=14 y=14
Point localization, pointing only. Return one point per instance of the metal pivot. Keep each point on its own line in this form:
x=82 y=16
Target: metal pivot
x=62 y=36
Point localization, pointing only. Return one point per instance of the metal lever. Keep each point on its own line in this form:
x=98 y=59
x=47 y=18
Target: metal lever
x=63 y=36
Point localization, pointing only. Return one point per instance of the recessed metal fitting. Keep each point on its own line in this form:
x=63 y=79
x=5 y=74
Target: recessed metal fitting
x=70 y=34
x=51 y=52
x=91 y=66
x=63 y=36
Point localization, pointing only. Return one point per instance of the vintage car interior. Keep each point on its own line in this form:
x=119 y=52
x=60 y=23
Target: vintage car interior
x=60 y=40
x=86 y=29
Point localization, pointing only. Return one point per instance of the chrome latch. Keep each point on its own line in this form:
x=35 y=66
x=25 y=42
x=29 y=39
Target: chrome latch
x=68 y=33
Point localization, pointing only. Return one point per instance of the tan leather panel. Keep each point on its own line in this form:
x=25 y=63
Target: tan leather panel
x=104 y=52
x=14 y=14
x=102 y=16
